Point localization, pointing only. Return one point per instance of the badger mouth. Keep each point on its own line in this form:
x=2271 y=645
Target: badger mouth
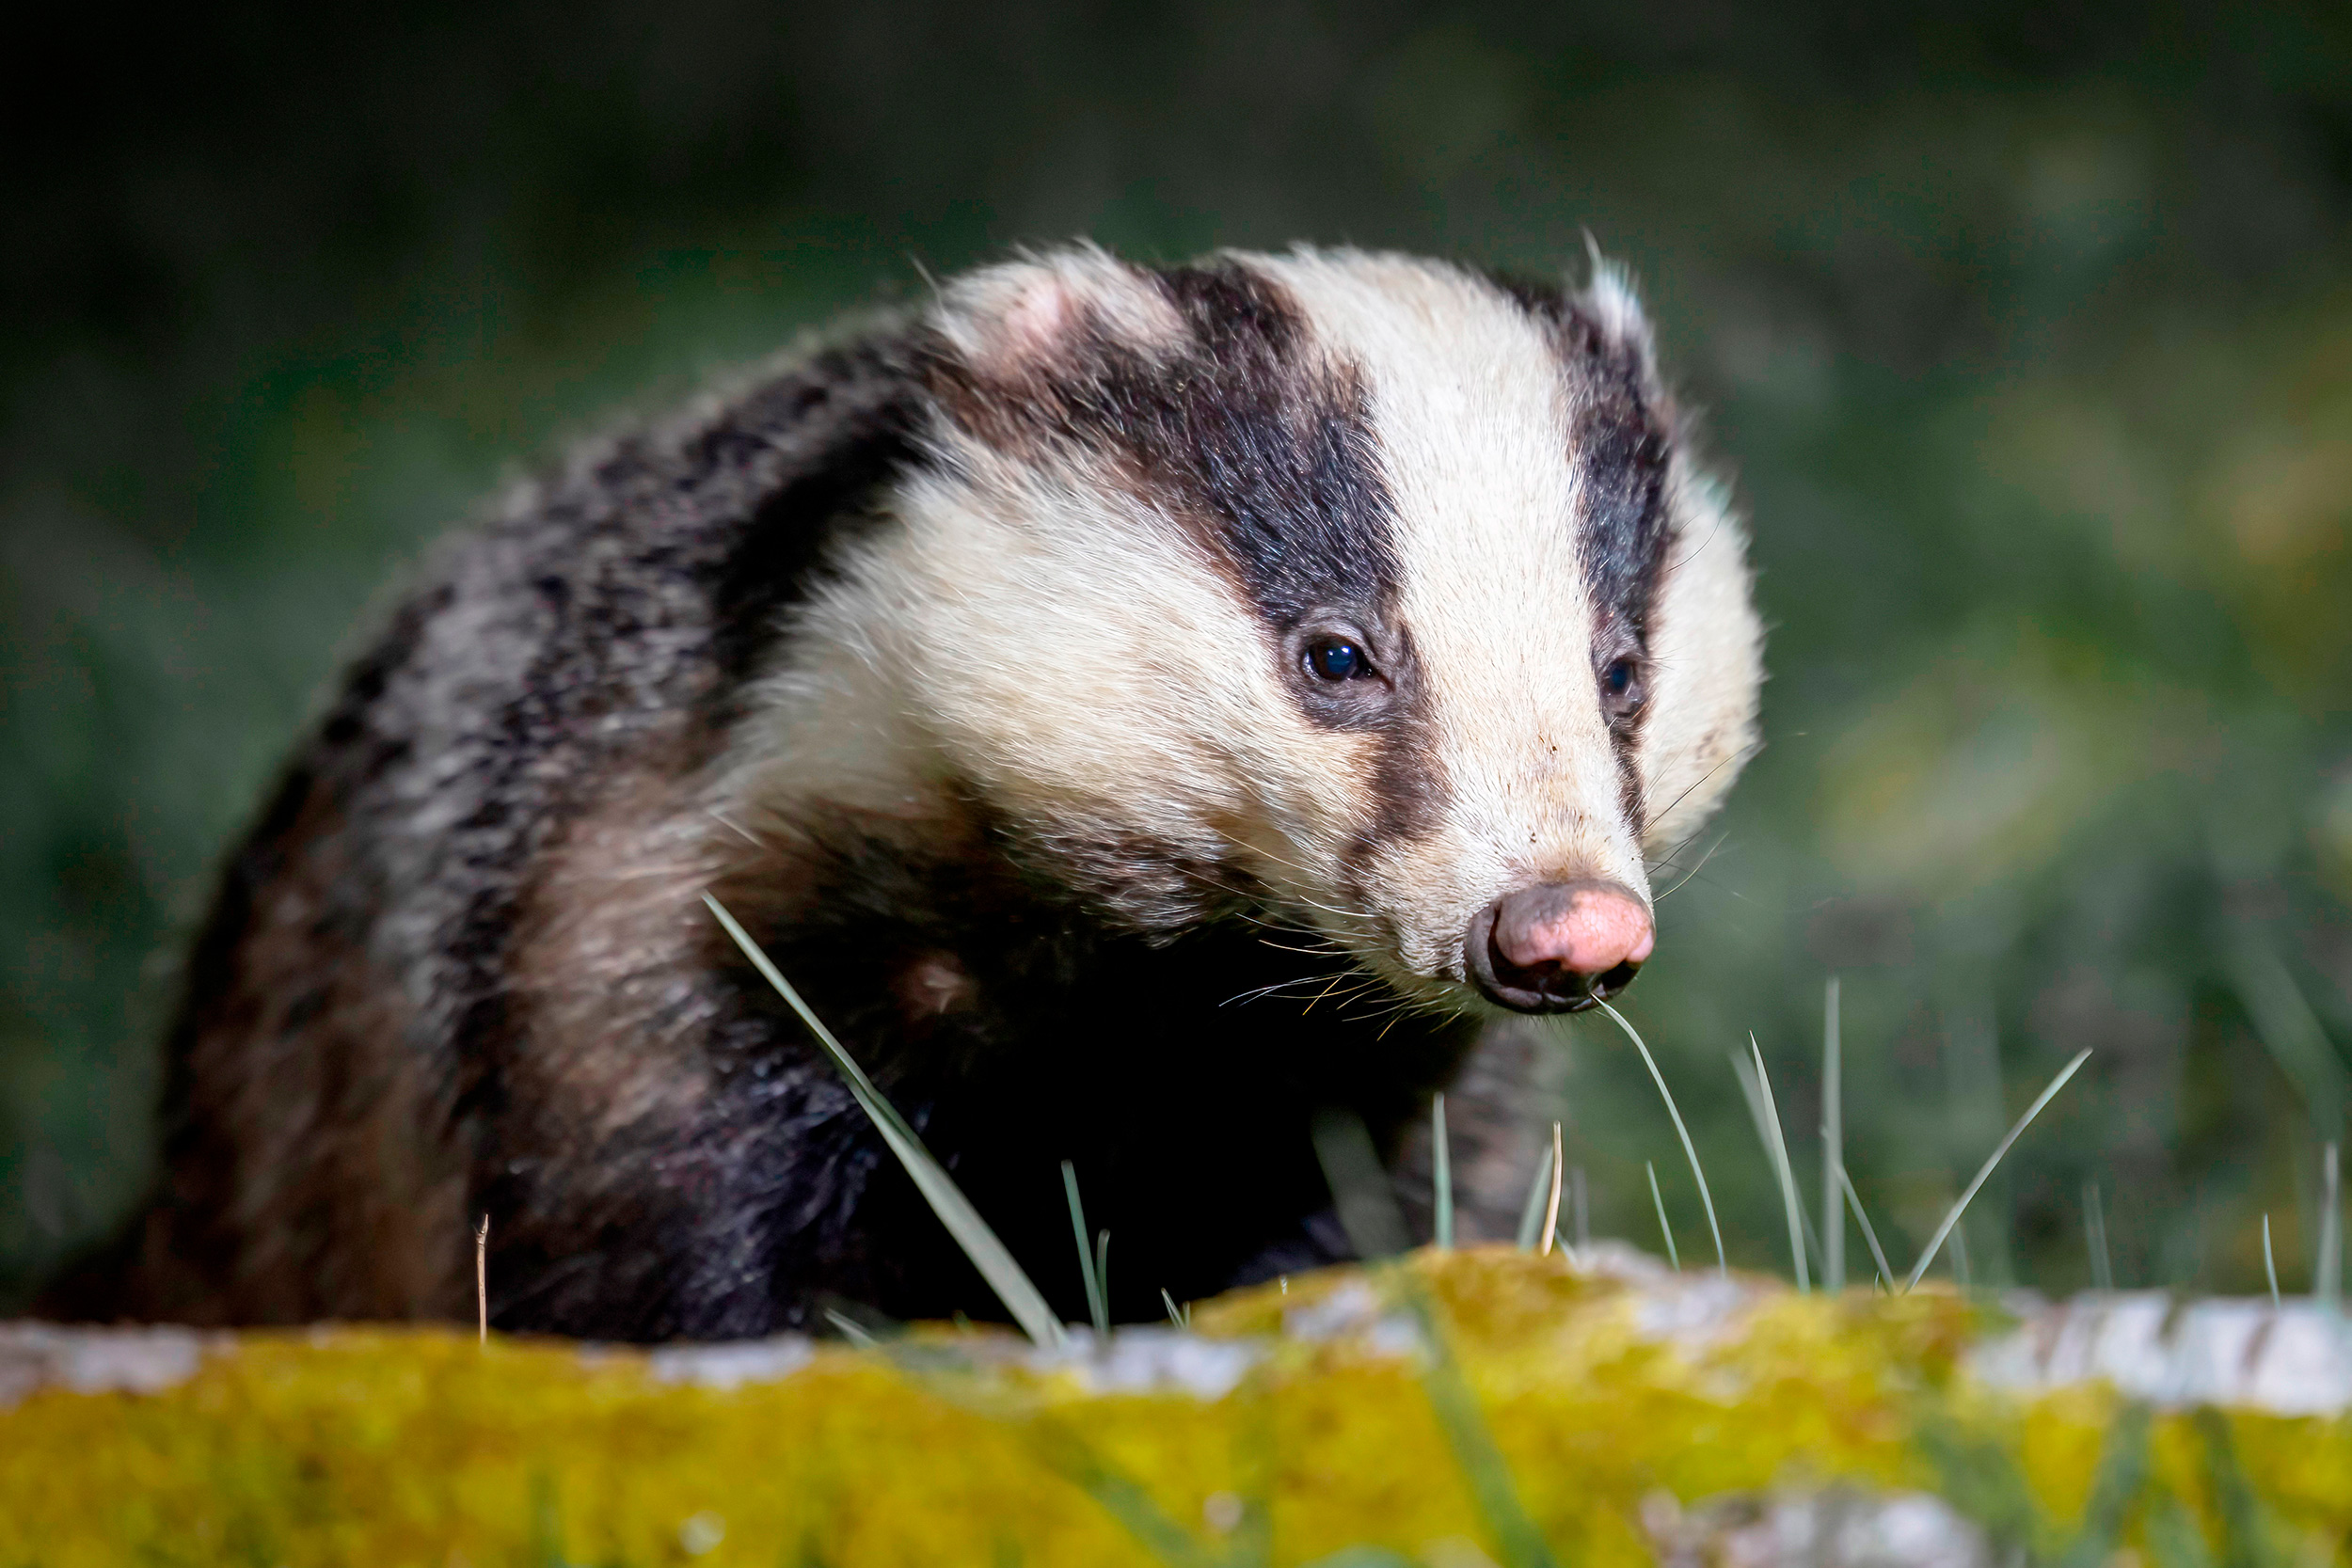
x=1559 y=947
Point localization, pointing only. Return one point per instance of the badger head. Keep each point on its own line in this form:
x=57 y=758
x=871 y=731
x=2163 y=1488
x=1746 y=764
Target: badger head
x=1363 y=591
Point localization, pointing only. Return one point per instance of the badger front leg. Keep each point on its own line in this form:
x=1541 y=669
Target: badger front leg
x=1499 y=1114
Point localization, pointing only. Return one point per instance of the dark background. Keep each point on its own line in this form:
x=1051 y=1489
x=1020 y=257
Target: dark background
x=2026 y=331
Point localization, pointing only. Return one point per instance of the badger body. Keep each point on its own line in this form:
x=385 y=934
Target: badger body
x=1139 y=709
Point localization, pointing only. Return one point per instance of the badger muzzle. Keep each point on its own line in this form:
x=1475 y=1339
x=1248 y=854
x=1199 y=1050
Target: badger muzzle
x=1559 y=947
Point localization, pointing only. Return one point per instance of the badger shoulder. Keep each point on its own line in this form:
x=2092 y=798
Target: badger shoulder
x=356 y=997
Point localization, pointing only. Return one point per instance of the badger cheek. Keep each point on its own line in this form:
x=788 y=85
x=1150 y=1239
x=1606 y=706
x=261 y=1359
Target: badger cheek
x=1416 y=895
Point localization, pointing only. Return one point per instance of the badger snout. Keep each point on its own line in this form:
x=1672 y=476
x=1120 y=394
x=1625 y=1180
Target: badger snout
x=1559 y=947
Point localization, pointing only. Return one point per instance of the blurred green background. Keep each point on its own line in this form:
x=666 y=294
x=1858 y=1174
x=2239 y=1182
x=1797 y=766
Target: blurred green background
x=2026 y=331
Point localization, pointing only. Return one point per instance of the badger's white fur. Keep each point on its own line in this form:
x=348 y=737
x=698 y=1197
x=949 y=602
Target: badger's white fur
x=1032 y=628
x=1074 y=687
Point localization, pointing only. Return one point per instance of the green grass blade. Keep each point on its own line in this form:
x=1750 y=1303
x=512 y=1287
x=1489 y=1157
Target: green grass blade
x=2174 y=1538
x=1103 y=1277
x=2292 y=1032
x=1673 y=1258
x=2270 y=1265
x=1977 y=1475
x=2244 y=1540
x=1757 y=1084
x=1441 y=1166
x=1121 y=1497
x=1974 y=1085
x=1812 y=1237
x=1096 y=1308
x=1833 y=1144
x=2095 y=1239
x=1551 y=1200
x=981 y=1244
x=1180 y=1318
x=852 y=1330
x=547 y=1525
x=2122 y=1476
x=945 y=1372
x=1870 y=1234
x=1359 y=1184
x=1952 y=1218
x=1518 y=1542
x=1707 y=1199
x=1531 y=1211
x=2328 y=1277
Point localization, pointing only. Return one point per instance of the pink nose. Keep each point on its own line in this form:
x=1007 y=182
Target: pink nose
x=1561 y=946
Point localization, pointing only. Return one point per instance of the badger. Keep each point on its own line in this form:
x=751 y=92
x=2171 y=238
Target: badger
x=1141 y=708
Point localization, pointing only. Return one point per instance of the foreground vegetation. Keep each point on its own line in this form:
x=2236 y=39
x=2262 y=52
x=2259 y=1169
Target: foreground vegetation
x=1487 y=1405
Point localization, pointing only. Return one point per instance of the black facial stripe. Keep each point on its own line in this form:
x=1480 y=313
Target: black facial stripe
x=1620 y=441
x=1260 y=449
x=1629 y=798
x=1620 y=450
x=1268 y=452
x=1260 y=445
x=1277 y=450
x=1621 y=447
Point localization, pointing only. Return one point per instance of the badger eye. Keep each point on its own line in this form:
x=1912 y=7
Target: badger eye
x=1334 y=659
x=1621 y=686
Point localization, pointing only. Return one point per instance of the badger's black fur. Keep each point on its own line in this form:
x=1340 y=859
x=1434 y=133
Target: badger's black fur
x=460 y=966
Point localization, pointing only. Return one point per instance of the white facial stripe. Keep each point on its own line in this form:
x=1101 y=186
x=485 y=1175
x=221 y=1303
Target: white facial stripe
x=1707 y=650
x=1035 y=629
x=1471 y=406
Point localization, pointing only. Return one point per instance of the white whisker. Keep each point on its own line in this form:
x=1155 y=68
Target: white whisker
x=1695 y=870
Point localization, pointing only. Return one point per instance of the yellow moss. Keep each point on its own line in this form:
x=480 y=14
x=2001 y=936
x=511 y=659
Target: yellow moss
x=418 y=1446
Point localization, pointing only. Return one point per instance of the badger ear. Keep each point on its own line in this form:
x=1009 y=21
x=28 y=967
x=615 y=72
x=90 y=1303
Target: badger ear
x=1608 y=300
x=1041 y=317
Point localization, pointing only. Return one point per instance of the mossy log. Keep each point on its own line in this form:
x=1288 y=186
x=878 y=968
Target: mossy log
x=1463 y=1407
